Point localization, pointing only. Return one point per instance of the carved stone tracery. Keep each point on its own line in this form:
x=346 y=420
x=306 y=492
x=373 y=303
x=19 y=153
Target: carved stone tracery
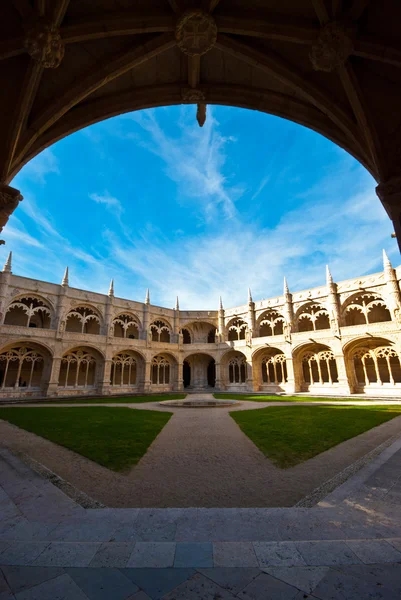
x=332 y=47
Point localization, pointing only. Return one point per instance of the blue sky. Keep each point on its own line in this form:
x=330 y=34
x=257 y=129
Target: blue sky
x=152 y=200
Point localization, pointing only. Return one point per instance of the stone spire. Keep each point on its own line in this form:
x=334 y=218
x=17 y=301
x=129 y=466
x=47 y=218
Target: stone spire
x=386 y=261
x=221 y=324
x=249 y=295
x=111 y=288
x=221 y=304
x=177 y=304
x=65 y=282
x=147 y=297
x=329 y=279
x=7 y=266
x=285 y=289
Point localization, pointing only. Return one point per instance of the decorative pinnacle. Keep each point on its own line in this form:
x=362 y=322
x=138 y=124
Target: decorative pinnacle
x=221 y=304
x=329 y=278
x=7 y=266
x=286 y=290
x=111 y=288
x=386 y=261
x=249 y=295
x=65 y=278
x=147 y=297
x=177 y=305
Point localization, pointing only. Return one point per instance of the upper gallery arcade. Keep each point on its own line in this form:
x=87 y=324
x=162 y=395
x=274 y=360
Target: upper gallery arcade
x=340 y=338
x=333 y=66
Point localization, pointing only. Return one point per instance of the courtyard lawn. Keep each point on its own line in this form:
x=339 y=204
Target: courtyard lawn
x=113 y=437
x=115 y=399
x=288 y=436
x=272 y=398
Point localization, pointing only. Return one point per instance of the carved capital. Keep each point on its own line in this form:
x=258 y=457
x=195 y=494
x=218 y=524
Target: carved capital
x=389 y=188
x=332 y=47
x=193 y=96
x=44 y=44
x=9 y=200
x=195 y=32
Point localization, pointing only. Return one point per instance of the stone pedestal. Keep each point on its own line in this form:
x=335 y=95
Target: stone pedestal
x=389 y=193
x=9 y=200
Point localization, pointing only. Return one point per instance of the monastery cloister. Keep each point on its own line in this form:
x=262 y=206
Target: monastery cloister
x=337 y=339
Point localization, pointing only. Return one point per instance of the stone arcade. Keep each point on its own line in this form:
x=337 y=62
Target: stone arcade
x=340 y=338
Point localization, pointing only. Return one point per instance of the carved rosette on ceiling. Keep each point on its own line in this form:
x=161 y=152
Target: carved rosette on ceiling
x=332 y=47
x=44 y=44
x=195 y=32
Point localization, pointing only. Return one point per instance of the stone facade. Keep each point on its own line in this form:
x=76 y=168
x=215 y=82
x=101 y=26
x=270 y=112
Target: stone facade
x=336 y=339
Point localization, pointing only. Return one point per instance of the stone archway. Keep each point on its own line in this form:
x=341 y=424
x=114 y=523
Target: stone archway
x=199 y=371
x=323 y=65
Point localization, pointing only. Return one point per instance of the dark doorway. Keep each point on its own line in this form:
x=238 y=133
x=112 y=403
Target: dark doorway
x=186 y=374
x=211 y=373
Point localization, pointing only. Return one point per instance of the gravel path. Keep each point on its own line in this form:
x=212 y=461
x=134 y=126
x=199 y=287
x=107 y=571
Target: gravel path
x=201 y=458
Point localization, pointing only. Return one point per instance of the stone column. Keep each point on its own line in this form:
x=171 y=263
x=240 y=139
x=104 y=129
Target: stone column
x=332 y=303
x=4 y=285
x=343 y=380
x=180 y=376
x=9 y=200
x=221 y=323
x=389 y=193
x=104 y=379
x=290 y=385
x=50 y=389
x=147 y=381
x=218 y=376
x=249 y=376
x=392 y=289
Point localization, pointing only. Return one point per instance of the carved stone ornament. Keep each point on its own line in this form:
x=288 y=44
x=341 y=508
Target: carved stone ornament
x=193 y=96
x=389 y=188
x=195 y=32
x=9 y=200
x=44 y=44
x=332 y=47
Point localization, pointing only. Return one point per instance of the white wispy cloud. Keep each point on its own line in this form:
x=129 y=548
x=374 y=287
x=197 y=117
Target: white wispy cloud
x=195 y=161
x=111 y=202
x=42 y=165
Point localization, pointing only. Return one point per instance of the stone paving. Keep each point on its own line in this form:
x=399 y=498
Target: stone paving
x=348 y=546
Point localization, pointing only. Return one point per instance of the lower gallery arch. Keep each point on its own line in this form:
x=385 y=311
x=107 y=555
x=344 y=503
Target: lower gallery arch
x=163 y=373
x=199 y=371
x=374 y=366
x=127 y=371
x=80 y=371
x=317 y=369
x=269 y=370
x=24 y=369
x=234 y=371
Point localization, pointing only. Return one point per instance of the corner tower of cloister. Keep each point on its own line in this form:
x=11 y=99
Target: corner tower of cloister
x=337 y=339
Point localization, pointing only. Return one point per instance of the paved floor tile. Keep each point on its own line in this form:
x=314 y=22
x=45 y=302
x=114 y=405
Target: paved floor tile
x=103 y=584
x=193 y=554
x=33 y=531
x=22 y=553
x=199 y=588
x=234 y=554
x=140 y=596
x=22 y=578
x=152 y=554
x=338 y=585
x=327 y=553
x=84 y=531
x=379 y=576
x=158 y=582
x=303 y=578
x=396 y=543
x=278 y=554
x=265 y=587
x=60 y=588
x=233 y=580
x=374 y=551
x=4 y=586
x=63 y=554
x=114 y=554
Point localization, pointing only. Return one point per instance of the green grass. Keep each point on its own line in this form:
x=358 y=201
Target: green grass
x=272 y=398
x=115 y=399
x=113 y=437
x=288 y=436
